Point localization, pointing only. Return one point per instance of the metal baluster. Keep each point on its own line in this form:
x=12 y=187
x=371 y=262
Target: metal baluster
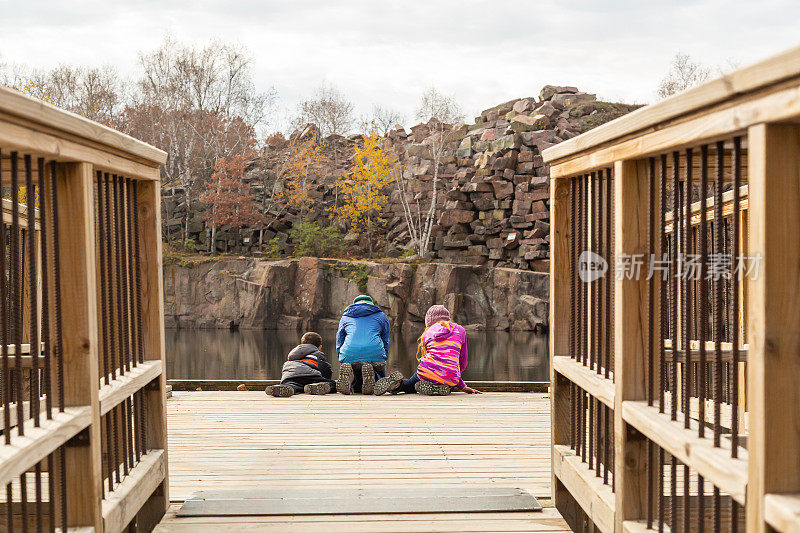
x=58 y=344
x=15 y=307
x=33 y=296
x=5 y=339
x=686 y=308
x=703 y=295
x=44 y=233
x=737 y=183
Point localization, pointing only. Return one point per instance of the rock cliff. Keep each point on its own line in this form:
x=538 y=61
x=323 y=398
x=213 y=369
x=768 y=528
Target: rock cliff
x=312 y=293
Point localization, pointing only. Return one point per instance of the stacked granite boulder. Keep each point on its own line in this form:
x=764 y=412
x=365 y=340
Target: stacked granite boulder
x=493 y=201
x=494 y=181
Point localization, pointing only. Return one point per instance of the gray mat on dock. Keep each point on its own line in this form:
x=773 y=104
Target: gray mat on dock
x=357 y=501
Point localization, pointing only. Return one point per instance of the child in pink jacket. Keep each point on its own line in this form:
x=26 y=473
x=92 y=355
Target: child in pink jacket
x=442 y=354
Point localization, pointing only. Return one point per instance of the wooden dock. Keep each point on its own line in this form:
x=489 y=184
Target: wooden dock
x=246 y=440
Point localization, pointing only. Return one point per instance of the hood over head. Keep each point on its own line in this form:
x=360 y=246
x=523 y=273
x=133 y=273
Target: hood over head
x=440 y=332
x=361 y=309
x=304 y=350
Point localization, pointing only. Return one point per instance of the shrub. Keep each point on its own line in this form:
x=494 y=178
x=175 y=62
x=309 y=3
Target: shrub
x=315 y=241
x=272 y=248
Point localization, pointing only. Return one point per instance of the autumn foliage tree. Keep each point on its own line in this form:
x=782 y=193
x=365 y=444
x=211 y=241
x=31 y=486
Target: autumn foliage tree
x=305 y=155
x=363 y=190
x=229 y=198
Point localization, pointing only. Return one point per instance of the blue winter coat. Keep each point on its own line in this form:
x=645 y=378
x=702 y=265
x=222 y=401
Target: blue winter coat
x=363 y=334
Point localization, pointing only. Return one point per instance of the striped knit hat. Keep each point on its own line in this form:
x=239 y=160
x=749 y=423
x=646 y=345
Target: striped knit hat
x=435 y=314
x=363 y=298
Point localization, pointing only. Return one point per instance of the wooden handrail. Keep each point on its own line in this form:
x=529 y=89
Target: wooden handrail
x=745 y=80
x=742 y=439
x=21 y=106
x=101 y=265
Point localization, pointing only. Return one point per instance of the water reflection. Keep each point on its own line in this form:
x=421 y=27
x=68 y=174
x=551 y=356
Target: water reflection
x=224 y=354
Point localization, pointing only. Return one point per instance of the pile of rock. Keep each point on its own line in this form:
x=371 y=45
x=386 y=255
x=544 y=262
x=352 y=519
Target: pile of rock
x=492 y=184
x=495 y=183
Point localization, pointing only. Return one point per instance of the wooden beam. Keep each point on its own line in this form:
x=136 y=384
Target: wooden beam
x=559 y=320
x=43 y=144
x=782 y=512
x=149 y=194
x=44 y=114
x=121 y=506
x=79 y=319
x=124 y=386
x=715 y=464
x=630 y=339
x=783 y=105
x=638 y=526
x=773 y=379
x=779 y=67
x=595 y=498
x=26 y=410
x=589 y=380
x=39 y=442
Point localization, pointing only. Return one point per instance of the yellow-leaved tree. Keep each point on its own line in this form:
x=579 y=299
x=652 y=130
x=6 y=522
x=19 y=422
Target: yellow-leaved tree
x=363 y=189
x=305 y=156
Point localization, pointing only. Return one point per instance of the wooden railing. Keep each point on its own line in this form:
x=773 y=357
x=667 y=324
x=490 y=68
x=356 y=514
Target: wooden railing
x=676 y=396
x=82 y=389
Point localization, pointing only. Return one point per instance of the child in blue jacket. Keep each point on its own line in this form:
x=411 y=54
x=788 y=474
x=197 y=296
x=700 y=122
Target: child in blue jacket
x=362 y=343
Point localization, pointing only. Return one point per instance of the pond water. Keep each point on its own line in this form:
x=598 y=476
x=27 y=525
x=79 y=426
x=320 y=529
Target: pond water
x=224 y=354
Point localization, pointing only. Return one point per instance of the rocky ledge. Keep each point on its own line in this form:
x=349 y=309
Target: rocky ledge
x=311 y=293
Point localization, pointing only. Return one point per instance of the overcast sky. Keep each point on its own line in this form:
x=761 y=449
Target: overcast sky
x=387 y=52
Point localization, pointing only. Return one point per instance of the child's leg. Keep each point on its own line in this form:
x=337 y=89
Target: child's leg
x=324 y=386
x=407 y=385
x=357 y=377
x=429 y=388
x=284 y=390
x=371 y=372
x=347 y=379
x=367 y=378
x=380 y=369
x=390 y=383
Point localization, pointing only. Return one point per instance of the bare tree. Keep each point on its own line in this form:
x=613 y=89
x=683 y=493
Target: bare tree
x=385 y=119
x=329 y=110
x=442 y=107
x=441 y=113
x=199 y=105
x=96 y=93
x=683 y=74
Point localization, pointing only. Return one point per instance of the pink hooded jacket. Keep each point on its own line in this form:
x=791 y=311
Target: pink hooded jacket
x=446 y=355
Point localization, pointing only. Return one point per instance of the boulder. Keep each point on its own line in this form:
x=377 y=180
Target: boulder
x=456 y=216
x=502 y=189
x=522 y=106
x=563 y=100
x=465 y=148
x=548 y=91
x=507 y=142
x=522 y=123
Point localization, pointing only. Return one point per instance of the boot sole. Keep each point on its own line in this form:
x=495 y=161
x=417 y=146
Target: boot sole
x=280 y=391
x=367 y=379
x=317 y=388
x=389 y=383
x=429 y=388
x=344 y=383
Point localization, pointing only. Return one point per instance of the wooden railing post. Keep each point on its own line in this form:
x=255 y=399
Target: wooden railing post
x=773 y=309
x=630 y=338
x=79 y=326
x=560 y=316
x=149 y=199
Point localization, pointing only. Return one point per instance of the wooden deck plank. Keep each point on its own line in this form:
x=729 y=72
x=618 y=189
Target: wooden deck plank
x=245 y=440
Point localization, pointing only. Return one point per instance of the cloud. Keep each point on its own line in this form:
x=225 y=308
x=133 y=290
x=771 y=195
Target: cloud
x=389 y=52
